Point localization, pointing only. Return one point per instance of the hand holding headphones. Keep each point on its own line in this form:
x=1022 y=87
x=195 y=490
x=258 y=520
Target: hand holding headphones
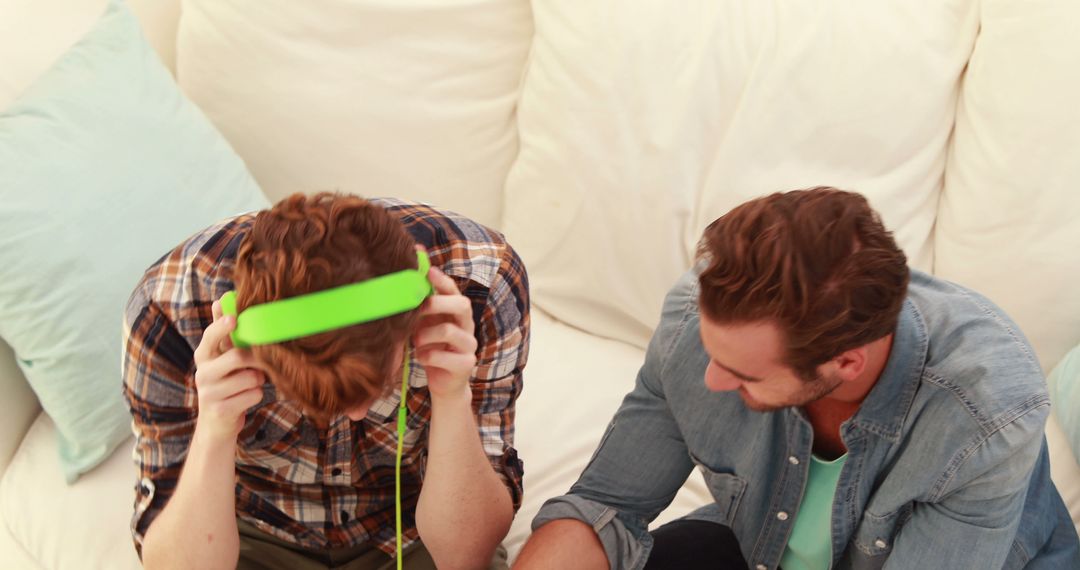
x=445 y=344
x=226 y=380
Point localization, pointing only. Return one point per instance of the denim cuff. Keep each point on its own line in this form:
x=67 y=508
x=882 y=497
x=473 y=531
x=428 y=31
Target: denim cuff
x=626 y=541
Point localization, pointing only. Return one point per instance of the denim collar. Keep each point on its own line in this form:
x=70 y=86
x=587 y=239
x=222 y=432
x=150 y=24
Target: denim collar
x=886 y=407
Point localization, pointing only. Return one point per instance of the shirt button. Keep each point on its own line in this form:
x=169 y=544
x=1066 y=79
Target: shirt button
x=781 y=515
x=793 y=460
x=336 y=472
x=880 y=543
x=344 y=517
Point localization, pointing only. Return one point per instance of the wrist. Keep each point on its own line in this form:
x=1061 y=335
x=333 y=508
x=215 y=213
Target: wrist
x=456 y=398
x=212 y=440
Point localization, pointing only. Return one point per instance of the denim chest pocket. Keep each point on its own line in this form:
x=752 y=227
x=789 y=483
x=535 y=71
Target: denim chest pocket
x=727 y=491
x=873 y=539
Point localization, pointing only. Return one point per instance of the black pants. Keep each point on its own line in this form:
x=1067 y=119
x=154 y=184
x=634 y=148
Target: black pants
x=689 y=544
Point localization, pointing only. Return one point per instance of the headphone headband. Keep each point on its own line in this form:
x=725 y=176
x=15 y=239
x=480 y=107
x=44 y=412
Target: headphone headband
x=330 y=309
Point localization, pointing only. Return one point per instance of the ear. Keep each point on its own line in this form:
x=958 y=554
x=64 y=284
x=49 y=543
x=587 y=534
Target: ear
x=849 y=365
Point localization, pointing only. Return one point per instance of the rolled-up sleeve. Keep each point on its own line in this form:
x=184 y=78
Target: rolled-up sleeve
x=625 y=543
x=158 y=387
x=502 y=331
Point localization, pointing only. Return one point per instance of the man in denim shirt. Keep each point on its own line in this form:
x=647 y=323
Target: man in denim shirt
x=844 y=411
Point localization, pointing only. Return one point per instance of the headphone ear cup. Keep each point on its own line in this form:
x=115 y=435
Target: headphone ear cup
x=423 y=265
x=228 y=303
x=228 y=307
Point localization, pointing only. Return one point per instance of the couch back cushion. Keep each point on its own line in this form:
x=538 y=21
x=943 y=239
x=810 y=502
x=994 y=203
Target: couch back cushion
x=410 y=98
x=35 y=33
x=1009 y=223
x=26 y=52
x=643 y=121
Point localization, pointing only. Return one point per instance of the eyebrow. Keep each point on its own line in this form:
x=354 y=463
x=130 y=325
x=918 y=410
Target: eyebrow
x=737 y=374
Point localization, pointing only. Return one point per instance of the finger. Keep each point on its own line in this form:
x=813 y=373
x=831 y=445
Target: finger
x=215 y=369
x=433 y=320
x=454 y=362
x=242 y=401
x=247 y=378
x=442 y=283
x=225 y=364
x=452 y=336
x=226 y=345
x=456 y=306
x=230 y=386
x=211 y=342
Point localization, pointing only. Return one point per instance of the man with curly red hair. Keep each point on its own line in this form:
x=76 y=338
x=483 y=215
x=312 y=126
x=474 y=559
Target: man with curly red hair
x=283 y=455
x=845 y=412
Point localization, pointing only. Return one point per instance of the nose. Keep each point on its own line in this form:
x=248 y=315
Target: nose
x=719 y=380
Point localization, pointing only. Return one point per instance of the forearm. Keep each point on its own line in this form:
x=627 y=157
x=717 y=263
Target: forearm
x=464 y=509
x=564 y=543
x=197 y=528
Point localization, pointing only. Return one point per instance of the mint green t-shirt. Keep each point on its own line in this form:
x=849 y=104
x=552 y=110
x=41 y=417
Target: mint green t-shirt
x=810 y=545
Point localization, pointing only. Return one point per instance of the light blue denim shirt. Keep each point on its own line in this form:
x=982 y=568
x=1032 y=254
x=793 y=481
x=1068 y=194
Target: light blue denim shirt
x=947 y=464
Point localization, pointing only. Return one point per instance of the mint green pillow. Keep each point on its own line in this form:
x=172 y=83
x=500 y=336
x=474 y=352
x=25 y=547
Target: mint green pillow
x=1064 y=384
x=104 y=166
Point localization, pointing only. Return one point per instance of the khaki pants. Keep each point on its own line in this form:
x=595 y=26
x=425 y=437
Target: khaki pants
x=261 y=551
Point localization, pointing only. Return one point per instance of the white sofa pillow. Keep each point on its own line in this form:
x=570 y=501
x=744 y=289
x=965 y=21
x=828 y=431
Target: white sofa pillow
x=642 y=121
x=1008 y=223
x=410 y=98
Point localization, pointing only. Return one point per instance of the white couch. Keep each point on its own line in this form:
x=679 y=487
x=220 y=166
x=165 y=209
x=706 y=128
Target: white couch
x=634 y=125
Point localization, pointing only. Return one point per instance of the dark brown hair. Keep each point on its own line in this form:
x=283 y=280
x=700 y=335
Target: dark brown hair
x=310 y=243
x=819 y=263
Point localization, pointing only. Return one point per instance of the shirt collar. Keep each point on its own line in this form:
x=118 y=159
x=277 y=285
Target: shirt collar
x=887 y=405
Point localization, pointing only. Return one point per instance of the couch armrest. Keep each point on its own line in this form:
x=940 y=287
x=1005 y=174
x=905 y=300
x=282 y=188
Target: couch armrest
x=18 y=406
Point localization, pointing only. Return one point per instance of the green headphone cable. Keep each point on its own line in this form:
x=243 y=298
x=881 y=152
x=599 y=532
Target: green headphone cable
x=401 y=425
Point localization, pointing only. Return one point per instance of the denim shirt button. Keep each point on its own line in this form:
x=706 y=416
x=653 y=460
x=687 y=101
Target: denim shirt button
x=781 y=515
x=793 y=460
x=880 y=543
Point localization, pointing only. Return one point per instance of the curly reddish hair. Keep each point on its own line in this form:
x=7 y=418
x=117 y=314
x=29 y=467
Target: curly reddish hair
x=310 y=243
x=819 y=263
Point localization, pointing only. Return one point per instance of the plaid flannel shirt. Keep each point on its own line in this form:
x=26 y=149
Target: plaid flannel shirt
x=330 y=488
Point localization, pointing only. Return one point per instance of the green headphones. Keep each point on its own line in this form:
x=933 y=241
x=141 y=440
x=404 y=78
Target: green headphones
x=332 y=309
